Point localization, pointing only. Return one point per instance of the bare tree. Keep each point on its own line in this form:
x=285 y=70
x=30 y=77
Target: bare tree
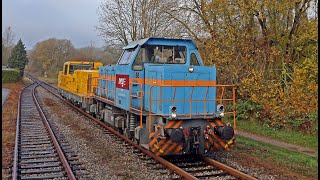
x=122 y=21
x=7 y=44
x=8 y=36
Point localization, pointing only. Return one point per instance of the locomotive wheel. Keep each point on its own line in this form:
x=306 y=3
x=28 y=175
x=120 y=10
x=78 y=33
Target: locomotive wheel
x=93 y=114
x=136 y=141
x=128 y=134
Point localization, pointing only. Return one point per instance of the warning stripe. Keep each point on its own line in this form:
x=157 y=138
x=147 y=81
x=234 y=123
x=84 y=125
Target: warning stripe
x=211 y=145
x=225 y=142
x=178 y=124
x=163 y=145
x=172 y=147
x=173 y=123
x=150 y=135
x=170 y=124
x=155 y=134
x=167 y=144
x=164 y=148
x=219 y=123
x=216 y=142
x=218 y=138
x=158 y=145
x=152 y=142
x=178 y=149
x=211 y=139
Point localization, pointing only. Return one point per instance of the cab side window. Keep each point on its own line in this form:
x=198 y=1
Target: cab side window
x=126 y=56
x=140 y=58
x=65 y=69
x=194 y=60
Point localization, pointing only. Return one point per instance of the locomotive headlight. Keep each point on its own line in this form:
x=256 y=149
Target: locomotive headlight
x=173 y=115
x=191 y=69
x=173 y=108
x=173 y=112
x=220 y=110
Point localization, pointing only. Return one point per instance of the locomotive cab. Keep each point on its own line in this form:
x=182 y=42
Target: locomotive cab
x=74 y=82
x=160 y=94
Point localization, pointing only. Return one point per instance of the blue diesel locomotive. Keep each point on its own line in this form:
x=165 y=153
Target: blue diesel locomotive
x=162 y=96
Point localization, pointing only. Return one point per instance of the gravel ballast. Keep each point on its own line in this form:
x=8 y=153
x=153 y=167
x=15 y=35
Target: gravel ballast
x=103 y=156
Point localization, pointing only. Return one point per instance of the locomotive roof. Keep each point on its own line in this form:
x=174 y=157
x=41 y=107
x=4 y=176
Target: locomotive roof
x=146 y=40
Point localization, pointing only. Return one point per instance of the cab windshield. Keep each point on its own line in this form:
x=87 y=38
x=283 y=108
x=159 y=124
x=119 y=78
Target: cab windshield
x=74 y=67
x=161 y=55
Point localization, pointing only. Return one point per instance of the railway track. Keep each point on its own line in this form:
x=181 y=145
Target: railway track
x=38 y=153
x=202 y=167
x=186 y=167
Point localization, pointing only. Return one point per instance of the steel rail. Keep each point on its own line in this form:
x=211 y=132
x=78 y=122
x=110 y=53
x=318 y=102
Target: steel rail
x=15 y=155
x=54 y=139
x=230 y=170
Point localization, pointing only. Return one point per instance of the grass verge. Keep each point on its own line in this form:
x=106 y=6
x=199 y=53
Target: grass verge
x=9 y=113
x=281 y=158
x=310 y=141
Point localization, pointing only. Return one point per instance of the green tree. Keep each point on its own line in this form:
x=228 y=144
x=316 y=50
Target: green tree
x=18 y=58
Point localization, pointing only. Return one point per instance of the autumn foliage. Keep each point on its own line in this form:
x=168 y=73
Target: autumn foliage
x=269 y=50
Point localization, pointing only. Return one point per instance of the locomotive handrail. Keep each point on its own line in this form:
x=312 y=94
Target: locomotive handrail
x=106 y=89
x=140 y=96
x=205 y=100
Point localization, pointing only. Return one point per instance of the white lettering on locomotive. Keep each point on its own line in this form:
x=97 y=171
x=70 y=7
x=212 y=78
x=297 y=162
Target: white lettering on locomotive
x=122 y=81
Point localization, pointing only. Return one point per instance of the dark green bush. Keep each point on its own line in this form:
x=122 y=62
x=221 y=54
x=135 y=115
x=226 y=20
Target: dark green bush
x=9 y=76
x=248 y=110
x=314 y=122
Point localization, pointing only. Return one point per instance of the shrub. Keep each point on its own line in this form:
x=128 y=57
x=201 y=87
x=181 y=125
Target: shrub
x=248 y=110
x=9 y=76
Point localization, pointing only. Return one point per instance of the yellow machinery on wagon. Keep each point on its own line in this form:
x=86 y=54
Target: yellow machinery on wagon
x=74 y=82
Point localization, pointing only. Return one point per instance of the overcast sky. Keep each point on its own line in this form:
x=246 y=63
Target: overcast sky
x=37 y=20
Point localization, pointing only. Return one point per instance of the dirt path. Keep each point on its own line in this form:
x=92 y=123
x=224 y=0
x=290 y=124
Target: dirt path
x=281 y=144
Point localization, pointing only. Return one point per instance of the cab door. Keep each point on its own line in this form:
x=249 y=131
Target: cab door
x=123 y=74
x=205 y=92
x=137 y=82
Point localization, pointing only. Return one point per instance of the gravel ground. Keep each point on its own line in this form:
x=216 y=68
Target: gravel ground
x=230 y=161
x=103 y=156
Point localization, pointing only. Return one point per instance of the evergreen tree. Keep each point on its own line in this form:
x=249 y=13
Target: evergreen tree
x=18 y=58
